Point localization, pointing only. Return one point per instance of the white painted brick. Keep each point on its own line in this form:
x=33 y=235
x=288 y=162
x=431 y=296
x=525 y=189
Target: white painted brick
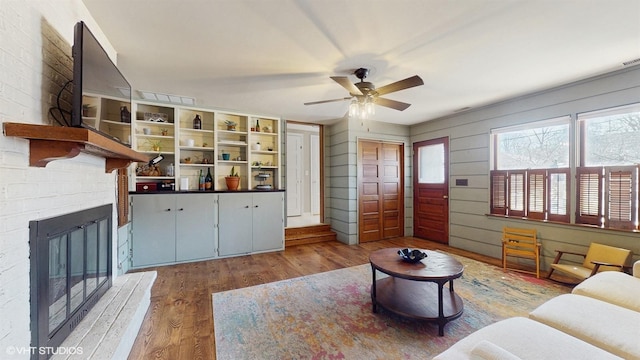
x=30 y=78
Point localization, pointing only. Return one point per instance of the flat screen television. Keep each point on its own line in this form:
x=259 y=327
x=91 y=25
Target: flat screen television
x=101 y=94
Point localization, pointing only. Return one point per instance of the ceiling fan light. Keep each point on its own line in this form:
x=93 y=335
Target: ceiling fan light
x=353 y=108
x=369 y=107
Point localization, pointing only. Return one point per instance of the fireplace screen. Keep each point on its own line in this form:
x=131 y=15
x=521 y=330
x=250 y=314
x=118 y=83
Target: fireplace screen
x=70 y=270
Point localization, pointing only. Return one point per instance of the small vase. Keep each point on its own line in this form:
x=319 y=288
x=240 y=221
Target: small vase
x=232 y=182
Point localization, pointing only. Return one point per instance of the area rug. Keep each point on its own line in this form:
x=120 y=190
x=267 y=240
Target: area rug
x=329 y=315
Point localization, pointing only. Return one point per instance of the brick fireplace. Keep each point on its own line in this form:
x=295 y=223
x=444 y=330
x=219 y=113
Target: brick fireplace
x=70 y=271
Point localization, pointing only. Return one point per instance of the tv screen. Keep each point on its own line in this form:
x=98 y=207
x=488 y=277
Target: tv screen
x=101 y=94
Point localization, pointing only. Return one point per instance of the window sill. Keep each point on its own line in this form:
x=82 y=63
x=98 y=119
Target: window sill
x=582 y=226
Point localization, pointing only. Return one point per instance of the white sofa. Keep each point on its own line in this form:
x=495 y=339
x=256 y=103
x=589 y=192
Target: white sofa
x=600 y=319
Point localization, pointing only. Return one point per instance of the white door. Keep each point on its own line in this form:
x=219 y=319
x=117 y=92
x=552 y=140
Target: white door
x=315 y=174
x=294 y=174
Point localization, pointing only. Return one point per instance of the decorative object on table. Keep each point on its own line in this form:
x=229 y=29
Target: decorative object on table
x=257 y=125
x=233 y=180
x=190 y=142
x=262 y=177
x=201 y=181
x=164 y=132
x=85 y=109
x=186 y=160
x=125 y=115
x=146 y=131
x=155 y=117
x=231 y=125
x=154 y=144
x=170 y=170
x=197 y=122
x=208 y=180
x=411 y=256
x=226 y=156
x=256 y=146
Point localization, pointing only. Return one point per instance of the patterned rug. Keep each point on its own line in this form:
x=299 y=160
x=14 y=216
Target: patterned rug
x=328 y=315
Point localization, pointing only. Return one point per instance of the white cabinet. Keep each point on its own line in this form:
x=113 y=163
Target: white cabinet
x=250 y=222
x=235 y=216
x=170 y=228
x=153 y=230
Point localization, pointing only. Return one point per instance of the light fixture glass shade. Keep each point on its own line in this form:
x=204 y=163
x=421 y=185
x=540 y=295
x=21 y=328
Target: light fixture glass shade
x=353 y=108
x=369 y=106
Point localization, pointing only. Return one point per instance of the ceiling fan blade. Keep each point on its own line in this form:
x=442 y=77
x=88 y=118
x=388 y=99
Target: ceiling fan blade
x=400 y=85
x=392 y=104
x=326 y=101
x=347 y=84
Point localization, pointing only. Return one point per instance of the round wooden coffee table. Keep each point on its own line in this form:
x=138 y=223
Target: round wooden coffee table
x=416 y=290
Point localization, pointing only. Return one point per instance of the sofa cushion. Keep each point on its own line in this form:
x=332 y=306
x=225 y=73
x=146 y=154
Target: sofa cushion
x=607 y=326
x=613 y=287
x=486 y=350
x=526 y=339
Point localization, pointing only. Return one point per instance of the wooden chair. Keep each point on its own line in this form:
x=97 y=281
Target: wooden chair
x=522 y=243
x=598 y=258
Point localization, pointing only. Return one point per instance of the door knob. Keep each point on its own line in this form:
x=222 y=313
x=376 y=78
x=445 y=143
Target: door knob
x=445 y=196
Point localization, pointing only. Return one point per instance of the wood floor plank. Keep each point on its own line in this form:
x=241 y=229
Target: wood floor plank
x=179 y=324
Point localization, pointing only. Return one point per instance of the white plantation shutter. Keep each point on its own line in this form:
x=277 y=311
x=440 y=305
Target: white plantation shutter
x=536 y=194
x=558 y=195
x=499 y=192
x=621 y=197
x=516 y=191
x=589 y=196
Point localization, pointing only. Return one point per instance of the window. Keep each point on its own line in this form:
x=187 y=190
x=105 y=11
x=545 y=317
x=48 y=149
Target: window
x=532 y=170
x=608 y=171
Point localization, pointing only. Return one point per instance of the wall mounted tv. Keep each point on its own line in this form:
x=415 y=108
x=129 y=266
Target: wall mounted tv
x=101 y=94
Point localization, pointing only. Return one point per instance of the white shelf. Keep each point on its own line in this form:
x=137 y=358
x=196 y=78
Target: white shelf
x=189 y=130
x=197 y=148
x=143 y=178
x=118 y=123
x=196 y=165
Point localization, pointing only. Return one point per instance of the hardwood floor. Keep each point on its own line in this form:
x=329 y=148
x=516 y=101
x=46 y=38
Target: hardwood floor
x=179 y=322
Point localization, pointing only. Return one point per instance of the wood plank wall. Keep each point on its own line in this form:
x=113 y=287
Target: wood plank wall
x=341 y=183
x=470 y=228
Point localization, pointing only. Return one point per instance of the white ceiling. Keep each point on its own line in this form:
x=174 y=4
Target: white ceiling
x=271 y=56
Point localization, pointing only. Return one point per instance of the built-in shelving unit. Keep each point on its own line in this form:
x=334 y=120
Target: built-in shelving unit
x=223 y=141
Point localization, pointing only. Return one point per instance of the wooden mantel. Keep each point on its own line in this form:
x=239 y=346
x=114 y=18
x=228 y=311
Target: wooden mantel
x=48 y=143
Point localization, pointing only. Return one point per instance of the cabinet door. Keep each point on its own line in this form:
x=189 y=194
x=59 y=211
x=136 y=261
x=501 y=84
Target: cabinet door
x=195 y=221
x=153 y=229
x=234 y=229
x=268 y=221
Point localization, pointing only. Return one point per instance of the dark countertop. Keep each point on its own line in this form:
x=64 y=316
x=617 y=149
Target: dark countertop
x=156 y=192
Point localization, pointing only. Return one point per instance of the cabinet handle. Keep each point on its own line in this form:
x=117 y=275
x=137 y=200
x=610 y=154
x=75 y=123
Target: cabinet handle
x=168 y=210
x=255 y=206
x=246 y=206
x=181 y=209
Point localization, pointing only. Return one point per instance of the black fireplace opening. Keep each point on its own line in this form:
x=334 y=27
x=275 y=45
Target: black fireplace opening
x=70 y=271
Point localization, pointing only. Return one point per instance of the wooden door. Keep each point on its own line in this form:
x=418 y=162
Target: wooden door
x=380 y=190
x=431 y=190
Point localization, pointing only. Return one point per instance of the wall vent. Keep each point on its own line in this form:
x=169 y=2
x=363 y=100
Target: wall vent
x=631 y=62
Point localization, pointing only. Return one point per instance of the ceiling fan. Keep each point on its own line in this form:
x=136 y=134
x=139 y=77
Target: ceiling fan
x=365 y=91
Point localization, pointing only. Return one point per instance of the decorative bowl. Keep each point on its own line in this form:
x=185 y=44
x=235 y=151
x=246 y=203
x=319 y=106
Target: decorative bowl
x=411 y=256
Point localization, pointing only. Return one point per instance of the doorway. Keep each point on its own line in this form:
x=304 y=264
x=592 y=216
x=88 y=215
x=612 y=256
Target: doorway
x=431 y=190
x=304 y=174
x=380 y=190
